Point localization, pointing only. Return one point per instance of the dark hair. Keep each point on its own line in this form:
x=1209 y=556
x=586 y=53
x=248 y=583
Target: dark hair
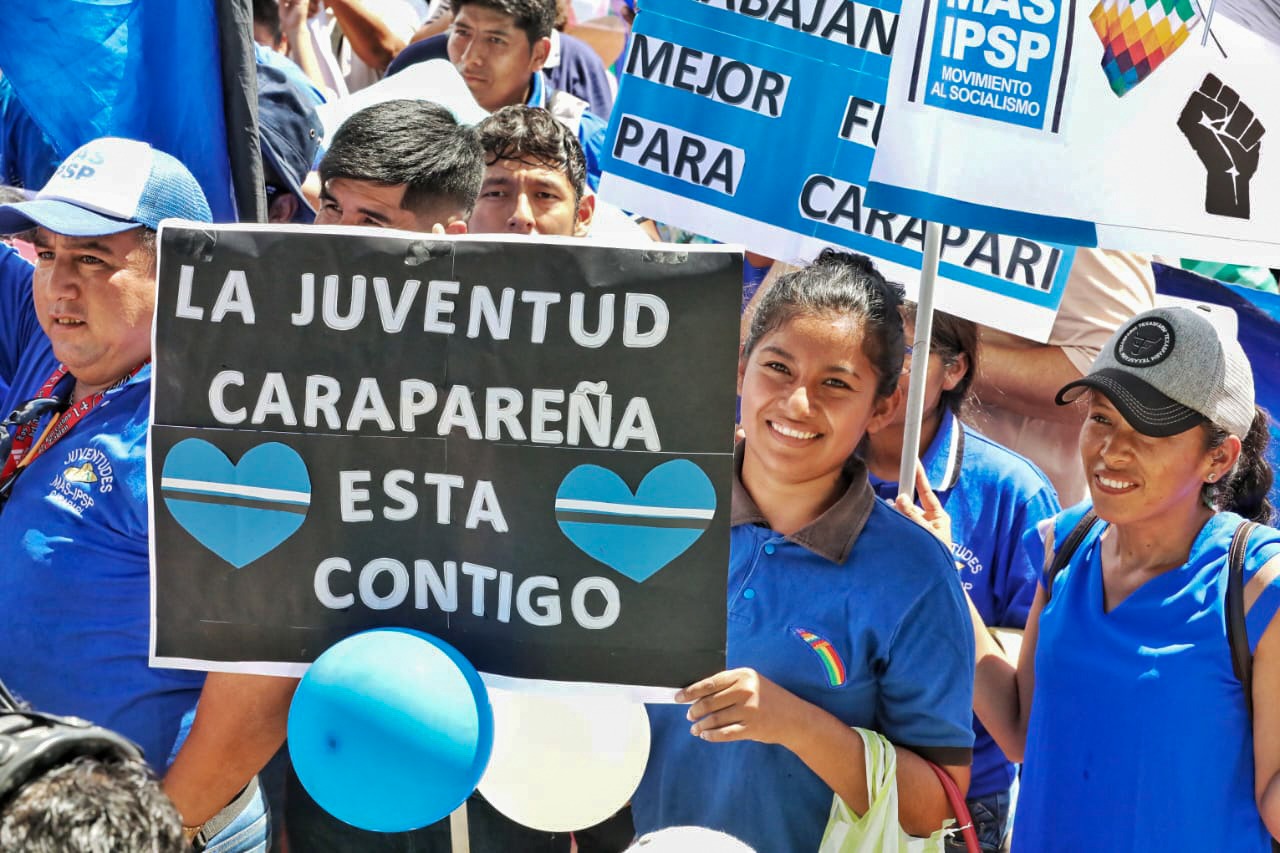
x=415 y=143
x=92 y=805
x=952 y=337
x=267 y=13
x=1245 y=490
x=534 y=137
x=839 y=283
x=535 y=17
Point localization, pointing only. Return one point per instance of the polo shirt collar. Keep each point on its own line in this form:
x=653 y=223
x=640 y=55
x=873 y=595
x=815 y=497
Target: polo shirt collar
x=945 y=455
x=537 y=91
x=832 y=534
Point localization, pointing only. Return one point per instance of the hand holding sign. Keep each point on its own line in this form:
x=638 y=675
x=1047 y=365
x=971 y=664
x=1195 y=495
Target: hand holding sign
x=1227 y=138
x=741 y=704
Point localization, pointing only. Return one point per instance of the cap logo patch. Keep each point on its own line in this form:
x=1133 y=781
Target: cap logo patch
x=1147 y=342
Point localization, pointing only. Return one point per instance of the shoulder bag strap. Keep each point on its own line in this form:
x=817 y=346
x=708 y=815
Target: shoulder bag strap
x=1068 y=548
x=1237 y=634
x=964 y=821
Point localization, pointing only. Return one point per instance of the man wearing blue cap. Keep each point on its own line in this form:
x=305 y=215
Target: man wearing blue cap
x=75 y=347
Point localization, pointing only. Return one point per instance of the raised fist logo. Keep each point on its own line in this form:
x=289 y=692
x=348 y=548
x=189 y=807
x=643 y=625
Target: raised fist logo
x=1227 y=138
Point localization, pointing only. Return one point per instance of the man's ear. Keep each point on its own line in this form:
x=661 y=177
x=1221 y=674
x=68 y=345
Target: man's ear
x=457 y=226
x=586 y=212
x=538 y=55
x=283 y=208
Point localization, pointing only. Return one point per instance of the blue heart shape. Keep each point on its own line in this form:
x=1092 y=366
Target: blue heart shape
x=238 y=512
x=635 y=534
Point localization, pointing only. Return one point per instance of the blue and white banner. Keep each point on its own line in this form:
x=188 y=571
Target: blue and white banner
x=1109 y=123
x=755 y=122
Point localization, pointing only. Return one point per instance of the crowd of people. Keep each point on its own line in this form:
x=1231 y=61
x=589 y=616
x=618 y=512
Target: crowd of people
x=1105 y=677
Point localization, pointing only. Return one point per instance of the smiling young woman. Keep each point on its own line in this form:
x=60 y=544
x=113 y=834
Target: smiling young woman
x=841 y=612
x=1136 y=729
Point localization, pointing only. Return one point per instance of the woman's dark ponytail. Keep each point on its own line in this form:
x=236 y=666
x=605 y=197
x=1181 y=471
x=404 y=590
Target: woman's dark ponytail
x=1246 y=491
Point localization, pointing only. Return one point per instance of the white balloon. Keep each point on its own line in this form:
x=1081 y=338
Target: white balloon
x=564 y=762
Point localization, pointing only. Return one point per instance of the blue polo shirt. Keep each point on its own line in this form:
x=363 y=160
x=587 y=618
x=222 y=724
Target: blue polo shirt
x=993 y=496
x=861 y=614
x=75 y=581
x=1139 y=737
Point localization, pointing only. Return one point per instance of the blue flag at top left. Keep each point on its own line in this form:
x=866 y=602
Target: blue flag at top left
x=75 y=70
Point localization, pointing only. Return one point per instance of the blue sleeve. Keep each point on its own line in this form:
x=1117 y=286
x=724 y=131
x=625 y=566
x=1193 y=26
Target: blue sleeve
x=18 y=323
x=926 y=690
x=591 y=133
x=1061 y=524
x=1261 y=579
x=1018 y=573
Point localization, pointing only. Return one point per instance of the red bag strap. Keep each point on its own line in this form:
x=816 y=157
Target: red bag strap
x=959 y=808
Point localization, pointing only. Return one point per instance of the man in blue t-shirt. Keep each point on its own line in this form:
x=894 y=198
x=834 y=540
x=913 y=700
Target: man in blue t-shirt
x=499 y=47
x=75 y=348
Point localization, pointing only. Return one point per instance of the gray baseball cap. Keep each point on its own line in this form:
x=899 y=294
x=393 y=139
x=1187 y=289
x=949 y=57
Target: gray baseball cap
x=1170 y=369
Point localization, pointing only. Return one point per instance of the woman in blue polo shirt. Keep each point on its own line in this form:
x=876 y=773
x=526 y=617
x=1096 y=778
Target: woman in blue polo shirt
x=992 y=495
x=841 y=612
x=1137 y=732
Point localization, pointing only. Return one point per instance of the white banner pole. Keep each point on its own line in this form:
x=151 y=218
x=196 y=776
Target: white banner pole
x=919 y=360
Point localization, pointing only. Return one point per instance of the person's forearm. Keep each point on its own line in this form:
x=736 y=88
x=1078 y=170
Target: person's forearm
x=239 y=725
x=1025 y=380
x=996 y=700
x=835 y=752
x=1269 y=806
x=303 y=53
x=370 y=38
x=433 y=27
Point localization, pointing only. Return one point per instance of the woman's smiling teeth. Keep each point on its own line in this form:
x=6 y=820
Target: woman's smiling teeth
x=1114 y=484
x=792 y=433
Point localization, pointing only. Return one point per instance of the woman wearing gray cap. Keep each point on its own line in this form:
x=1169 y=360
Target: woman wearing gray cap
x=1130 y=700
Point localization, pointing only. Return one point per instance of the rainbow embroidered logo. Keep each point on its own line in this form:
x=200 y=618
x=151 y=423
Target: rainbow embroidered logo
x=826 y=652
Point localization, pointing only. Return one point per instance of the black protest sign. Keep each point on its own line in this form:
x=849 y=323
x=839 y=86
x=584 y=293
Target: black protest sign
x=523 y=448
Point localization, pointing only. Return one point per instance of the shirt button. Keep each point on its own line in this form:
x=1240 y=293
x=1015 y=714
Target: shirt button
x=748 y=593
x=769 y=549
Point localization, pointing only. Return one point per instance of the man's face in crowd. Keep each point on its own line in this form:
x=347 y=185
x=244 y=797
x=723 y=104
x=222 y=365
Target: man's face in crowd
x=94 y=297
x=494 y=56
x=519 y=197
x=348 y=201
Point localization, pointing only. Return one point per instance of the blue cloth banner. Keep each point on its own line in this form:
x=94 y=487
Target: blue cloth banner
x=756 y=121
x=1258 y=315
x=150 y=71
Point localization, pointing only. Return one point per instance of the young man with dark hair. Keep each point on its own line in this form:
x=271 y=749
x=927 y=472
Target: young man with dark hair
x=499 y=48
x=535 y=179
x=401 y=164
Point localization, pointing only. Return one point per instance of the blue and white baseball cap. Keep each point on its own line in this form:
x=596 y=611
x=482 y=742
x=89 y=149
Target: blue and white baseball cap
x=108 y=186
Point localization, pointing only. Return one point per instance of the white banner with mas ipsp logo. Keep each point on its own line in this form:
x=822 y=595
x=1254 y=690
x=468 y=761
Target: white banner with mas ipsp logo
x=1093 y=122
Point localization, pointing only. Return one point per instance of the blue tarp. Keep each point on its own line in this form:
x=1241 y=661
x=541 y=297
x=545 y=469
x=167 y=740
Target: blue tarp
x=145 y=70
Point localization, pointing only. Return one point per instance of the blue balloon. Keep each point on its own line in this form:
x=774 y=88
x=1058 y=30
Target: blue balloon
x=390 y=730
